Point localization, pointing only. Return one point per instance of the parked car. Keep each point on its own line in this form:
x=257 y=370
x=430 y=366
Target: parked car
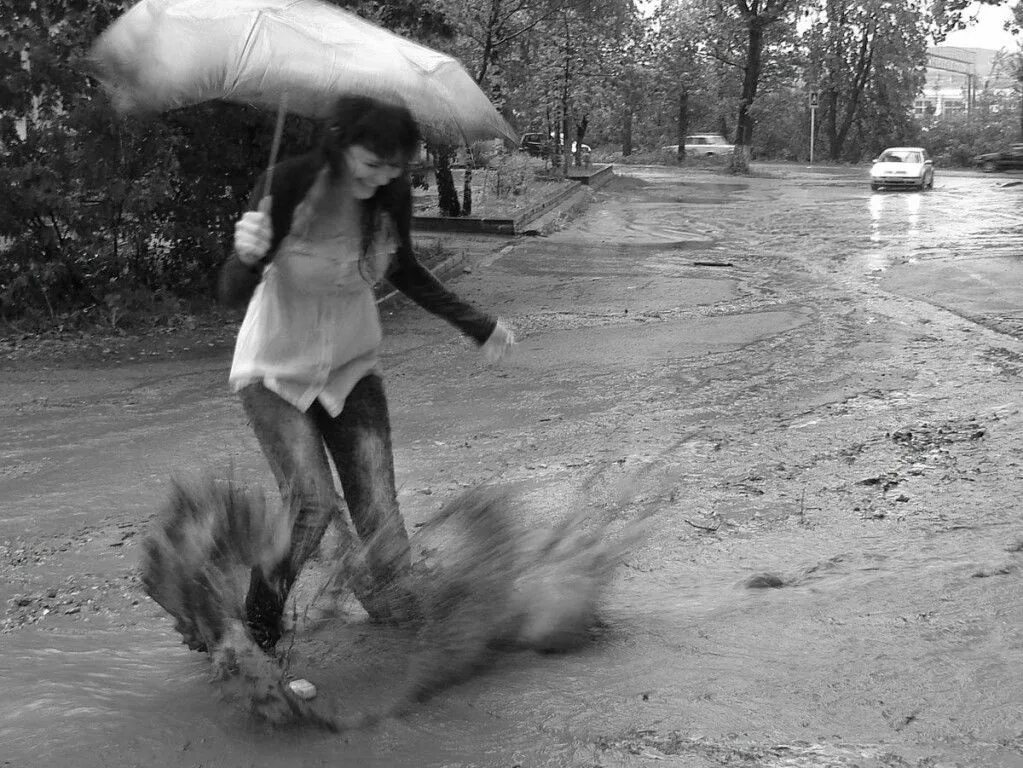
x=704 y=145
x=902 y=167
x=539 y=145
x=536 y=144
x=1010 y=158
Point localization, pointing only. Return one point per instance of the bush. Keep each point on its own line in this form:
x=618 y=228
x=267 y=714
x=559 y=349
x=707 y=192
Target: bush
x=954 y=141
x=100 y=209
x=508 y=175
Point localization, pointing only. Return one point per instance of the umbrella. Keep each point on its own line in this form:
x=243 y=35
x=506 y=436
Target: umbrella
x=163 y=54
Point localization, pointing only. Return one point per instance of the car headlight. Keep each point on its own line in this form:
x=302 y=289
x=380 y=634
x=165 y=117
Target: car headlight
x=875 y=171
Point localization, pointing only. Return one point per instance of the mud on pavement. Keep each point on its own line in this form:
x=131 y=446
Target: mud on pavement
x=823 y=388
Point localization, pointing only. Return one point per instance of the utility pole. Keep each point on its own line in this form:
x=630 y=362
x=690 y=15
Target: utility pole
x=814 y=101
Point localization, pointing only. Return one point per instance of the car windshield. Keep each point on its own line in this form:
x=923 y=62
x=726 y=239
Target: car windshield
x=900 y=156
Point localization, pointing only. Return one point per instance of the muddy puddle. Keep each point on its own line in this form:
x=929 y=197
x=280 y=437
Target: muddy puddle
x=690 y=650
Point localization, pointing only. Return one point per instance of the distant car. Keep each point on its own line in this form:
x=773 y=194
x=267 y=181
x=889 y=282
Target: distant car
x=704 y=145
x=1010 y=158
x=902 y=167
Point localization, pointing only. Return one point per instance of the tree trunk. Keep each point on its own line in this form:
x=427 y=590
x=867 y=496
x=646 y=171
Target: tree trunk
x=864 y=67
x=683 y=122
x=447 y=196
x=467 y=192
x=580 y=132
x=831 y=122
x=750 y=80
x=627 y=132
x=565 y=161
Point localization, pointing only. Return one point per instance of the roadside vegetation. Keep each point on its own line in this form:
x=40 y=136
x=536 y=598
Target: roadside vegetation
x=117 y=222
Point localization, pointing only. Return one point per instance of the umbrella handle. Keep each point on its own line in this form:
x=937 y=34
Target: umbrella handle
x=275 y=146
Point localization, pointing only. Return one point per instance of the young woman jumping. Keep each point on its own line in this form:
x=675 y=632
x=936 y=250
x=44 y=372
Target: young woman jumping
x=306 y=259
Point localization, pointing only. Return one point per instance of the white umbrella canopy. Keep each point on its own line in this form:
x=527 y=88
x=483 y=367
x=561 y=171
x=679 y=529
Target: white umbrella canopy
x=163 y=54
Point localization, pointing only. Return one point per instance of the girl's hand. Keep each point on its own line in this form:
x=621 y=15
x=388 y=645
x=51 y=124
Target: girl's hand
x=253 y=233
x=499 y=345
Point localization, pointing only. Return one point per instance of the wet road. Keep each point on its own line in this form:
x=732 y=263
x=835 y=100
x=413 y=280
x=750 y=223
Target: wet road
x=823 y=384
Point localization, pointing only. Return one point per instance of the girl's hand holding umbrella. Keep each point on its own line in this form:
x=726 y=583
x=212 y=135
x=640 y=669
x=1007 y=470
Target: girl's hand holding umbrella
x=253 y=233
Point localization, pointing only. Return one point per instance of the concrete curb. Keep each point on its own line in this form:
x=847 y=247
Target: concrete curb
x=555 y=218
x=594 y=177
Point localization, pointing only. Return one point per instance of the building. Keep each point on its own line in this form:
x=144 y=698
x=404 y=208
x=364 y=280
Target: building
x=958 y=79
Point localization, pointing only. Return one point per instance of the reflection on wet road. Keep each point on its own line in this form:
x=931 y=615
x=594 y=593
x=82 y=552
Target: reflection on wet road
x=892 y=219
x=961 y=218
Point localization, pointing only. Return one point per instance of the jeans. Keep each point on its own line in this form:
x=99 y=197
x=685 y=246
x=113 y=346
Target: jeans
x=296 y=445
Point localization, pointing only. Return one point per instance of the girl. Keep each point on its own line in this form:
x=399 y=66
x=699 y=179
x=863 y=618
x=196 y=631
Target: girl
x=334 y=222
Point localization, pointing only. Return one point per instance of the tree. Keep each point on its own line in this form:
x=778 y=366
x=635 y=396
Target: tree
x=103 y=209
x=873 y=50
x=75 y=189
x=488 y=29
x=754 y=18
x=568 y=64
x=682 y=29
x=622 y=79
x=1016 y=60
x=943 y=16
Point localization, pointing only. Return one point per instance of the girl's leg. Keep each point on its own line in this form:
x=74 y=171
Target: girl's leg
x=359 y=440
x=293 y=446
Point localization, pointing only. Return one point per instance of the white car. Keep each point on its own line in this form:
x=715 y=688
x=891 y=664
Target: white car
x=905 y=167
x=704 y=145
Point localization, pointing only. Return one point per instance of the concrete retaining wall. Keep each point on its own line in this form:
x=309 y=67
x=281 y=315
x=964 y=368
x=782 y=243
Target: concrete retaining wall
x=594 y=177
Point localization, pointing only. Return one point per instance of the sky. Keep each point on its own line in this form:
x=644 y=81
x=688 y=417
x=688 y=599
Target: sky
x=987 y=32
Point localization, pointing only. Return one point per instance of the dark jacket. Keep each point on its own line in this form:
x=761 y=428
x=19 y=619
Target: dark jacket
x=292 y=180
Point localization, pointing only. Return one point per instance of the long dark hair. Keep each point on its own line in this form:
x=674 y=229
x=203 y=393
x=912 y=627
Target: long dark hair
x=384 y=127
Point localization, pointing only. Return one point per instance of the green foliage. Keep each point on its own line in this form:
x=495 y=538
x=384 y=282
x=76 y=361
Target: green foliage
x=508 y=175
x=568 y=67
x=783 y=125
x=87 y=197
x=99 y=207
x=867 y=62
x=955 y=141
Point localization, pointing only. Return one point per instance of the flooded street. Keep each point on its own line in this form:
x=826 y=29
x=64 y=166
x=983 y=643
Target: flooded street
x=819 y=387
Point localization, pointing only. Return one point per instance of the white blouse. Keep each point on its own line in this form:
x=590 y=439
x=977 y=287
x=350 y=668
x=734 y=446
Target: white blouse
x=312 y=328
